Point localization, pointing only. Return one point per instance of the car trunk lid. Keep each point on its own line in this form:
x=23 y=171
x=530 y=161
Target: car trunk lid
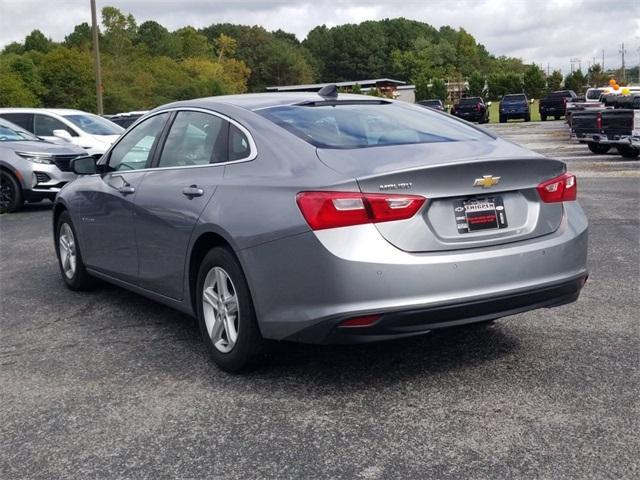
x=453 y=176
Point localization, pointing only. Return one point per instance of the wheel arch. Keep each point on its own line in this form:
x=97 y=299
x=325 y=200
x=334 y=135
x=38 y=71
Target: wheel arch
x=204 y=242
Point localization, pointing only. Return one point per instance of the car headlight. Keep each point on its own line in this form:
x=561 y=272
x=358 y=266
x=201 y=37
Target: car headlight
x=36 y=157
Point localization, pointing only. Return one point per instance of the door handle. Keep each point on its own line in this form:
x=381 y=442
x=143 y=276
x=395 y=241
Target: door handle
x=192 y=191
x=127 y=190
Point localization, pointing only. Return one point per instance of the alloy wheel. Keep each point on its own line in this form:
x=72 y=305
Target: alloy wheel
x=221 y=309
x=67 y=247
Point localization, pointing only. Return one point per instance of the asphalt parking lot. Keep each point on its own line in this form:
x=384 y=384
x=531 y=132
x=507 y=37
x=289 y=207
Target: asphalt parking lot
x=107 y=384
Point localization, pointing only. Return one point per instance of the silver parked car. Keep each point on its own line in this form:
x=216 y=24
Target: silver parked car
x=321 y=219
x=31 y=169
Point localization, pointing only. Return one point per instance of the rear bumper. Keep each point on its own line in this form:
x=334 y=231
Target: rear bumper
x=630 y=140
x=415 y=322
x=516 y=114
x=304 y=285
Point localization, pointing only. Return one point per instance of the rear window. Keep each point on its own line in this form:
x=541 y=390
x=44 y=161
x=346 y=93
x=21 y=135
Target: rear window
x=514 y=98
x=594 y=93
x=470 y=101
x=368 y=124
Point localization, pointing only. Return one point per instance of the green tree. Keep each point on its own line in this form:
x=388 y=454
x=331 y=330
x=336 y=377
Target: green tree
x=476 y=84
x=68 y=77
x=501 y=84
x=119 y=31
x=533 y=81
x=80 y=37
x=439 y=89
x=13 y=47
x=554 y=81
x=14 y=92
x=37 y=41
x=576 y=81
x=192 y=43
x=157 y=39
x=596 y=77
x=356 y=89
x=225 y=45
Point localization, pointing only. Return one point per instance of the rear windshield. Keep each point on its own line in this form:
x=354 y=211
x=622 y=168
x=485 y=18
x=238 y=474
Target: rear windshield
x=368 y=124
x=514 y=98
x=563 y=93
x=94 y=124
x=470 y=101
x=594 y=93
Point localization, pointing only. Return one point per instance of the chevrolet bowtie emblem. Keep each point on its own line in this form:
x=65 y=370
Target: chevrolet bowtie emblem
x=487 y=181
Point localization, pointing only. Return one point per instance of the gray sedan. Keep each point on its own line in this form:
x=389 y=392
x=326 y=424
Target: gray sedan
x=321 y=218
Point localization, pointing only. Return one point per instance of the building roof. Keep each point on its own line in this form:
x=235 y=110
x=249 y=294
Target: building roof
x=318 y=86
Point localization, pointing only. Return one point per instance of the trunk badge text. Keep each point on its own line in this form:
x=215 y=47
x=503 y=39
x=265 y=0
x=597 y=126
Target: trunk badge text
x=487 y=181
x=396 y=186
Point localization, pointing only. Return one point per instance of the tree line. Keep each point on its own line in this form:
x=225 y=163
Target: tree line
x=145 y=65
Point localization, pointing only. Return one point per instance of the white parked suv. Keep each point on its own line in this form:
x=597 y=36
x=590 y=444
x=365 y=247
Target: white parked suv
x=91 y=132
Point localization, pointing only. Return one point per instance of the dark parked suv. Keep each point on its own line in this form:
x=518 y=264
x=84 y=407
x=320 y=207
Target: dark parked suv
x=514 y=106
x=472 y=109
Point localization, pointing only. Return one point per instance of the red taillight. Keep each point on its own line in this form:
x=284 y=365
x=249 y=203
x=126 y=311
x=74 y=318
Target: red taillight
x=478 y=107
x=341 y=209
x=599 y=121
x=560 y=189
x=365 y=321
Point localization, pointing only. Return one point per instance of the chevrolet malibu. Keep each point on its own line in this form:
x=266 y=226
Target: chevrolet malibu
x=321 y=218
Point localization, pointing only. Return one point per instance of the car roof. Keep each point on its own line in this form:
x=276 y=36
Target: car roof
x=257 y=101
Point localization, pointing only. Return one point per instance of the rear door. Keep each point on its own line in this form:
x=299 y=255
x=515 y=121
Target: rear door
x=185 y=176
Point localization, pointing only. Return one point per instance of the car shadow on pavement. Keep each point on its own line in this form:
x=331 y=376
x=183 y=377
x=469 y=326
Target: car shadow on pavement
x=360 y=364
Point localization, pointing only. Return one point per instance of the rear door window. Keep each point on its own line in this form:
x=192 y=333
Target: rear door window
x=239 y=147
x=24 y=120
x=195 y=138
x=44 y=125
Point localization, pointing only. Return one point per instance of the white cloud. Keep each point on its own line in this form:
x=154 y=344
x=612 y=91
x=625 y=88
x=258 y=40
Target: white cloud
x=543 y=31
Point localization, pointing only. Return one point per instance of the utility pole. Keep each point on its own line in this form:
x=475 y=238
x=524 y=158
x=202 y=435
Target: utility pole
x=624 y=72
x=573 y=61
x=603 y=60
x=547 y=69
x=96 y=56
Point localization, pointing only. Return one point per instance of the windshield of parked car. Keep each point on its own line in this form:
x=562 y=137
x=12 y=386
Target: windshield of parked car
x=368 y=124
x=94 y=125
x=13 y=133
x=514 y=98
x=470 y=101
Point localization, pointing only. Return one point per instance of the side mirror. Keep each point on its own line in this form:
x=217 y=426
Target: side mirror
x=84 y=166
x=63 y=134
x=489 y=104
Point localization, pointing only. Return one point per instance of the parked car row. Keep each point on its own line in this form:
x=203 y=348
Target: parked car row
x=37 y=146
x=616 y=124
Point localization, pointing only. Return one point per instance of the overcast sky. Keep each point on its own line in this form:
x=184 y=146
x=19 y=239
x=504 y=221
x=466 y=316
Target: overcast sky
x=541 y=31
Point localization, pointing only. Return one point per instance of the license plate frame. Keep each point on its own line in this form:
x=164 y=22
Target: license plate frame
x=480 y=213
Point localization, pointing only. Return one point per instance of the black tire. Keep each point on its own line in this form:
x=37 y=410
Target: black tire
x=250 y=349
x=543 y=118
x=598 y=148
x=628 y=151
x=80 y=279
x=11 y=198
